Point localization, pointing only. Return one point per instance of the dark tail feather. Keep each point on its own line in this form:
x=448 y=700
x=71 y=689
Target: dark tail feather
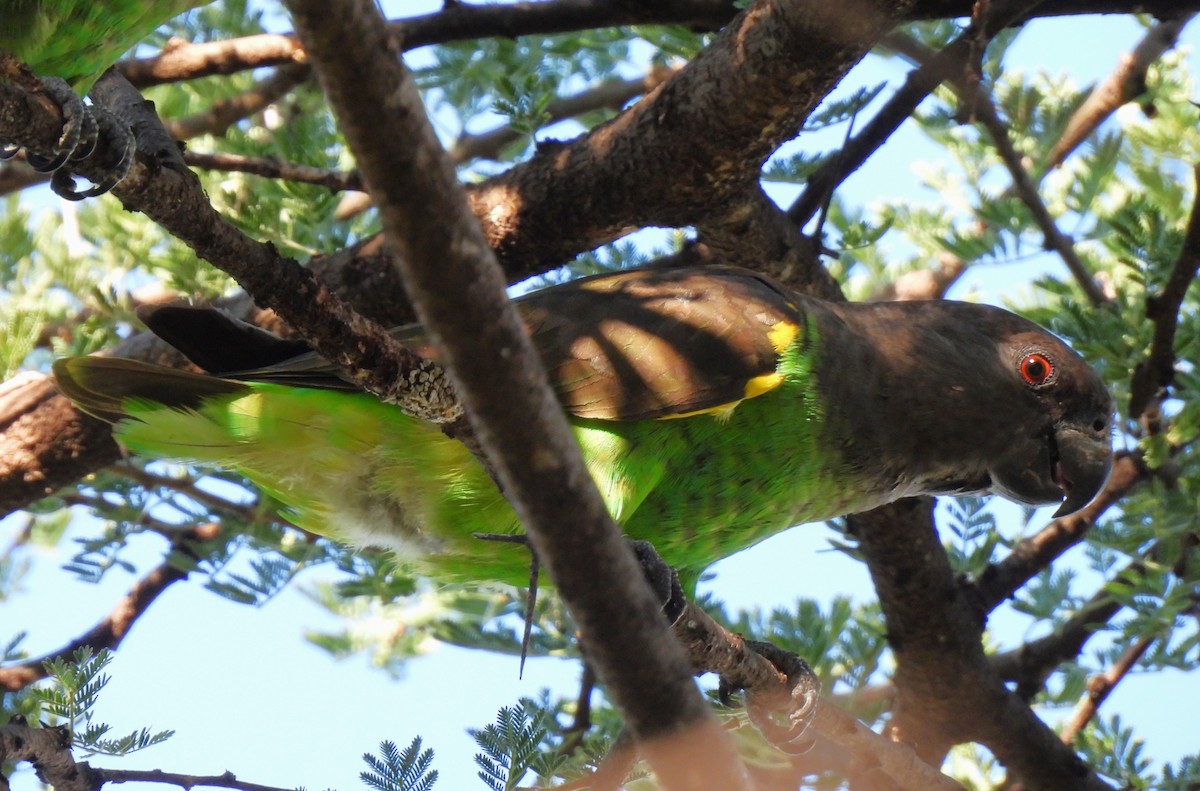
x=216 y=341
x=100 y=386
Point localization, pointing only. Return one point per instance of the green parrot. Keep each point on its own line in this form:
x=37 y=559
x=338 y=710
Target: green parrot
x=713 y=407
x=69 y=44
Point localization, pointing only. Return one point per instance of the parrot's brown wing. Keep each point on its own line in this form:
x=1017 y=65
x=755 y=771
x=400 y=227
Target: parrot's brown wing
x=650 y=343
x=635 y=345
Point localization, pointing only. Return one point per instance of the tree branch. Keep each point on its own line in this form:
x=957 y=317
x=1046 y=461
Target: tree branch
x=1156 y=373
x=49 y=750
x=1124 y=84
x=110 y=631
x=713 y=649
x=271 y=168
x=933 y=70
x=981 y=108
x=459 y=294
x=946 y=690
x=1101 y=686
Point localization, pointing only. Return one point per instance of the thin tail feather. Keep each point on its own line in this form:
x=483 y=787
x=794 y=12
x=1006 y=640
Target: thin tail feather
x=101 y=386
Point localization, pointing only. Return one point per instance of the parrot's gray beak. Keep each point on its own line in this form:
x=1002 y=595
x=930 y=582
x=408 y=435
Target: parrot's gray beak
x=1083 y=464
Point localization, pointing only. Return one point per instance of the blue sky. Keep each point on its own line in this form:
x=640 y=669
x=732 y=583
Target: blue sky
x=246 y=693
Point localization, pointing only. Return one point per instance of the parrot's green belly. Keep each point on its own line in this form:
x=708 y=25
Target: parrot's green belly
x=345 y=465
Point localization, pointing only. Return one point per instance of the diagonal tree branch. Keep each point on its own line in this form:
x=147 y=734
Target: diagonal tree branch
x=982 y=109
x=949 y=63
x=1101 y=686
x=459 y=294
x=1124 y=84
x=1157 y=371
x=110 y=631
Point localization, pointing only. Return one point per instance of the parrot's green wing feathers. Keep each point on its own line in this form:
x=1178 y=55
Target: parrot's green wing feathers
x=78 y=39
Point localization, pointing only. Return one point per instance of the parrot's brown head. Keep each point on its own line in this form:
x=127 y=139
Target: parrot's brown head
x=986 y=400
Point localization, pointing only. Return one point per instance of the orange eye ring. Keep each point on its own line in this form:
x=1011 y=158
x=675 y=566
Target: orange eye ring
x=1036 y=369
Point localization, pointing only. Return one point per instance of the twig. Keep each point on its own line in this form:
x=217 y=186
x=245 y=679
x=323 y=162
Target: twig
x=224 y=113
x=1157 y=371
x=1055 y=239
x=1032 y=663
x=1126 y=82
x=269 y=167
x=488 y=144
x=983 y=110
x=49 y=750
x=110 y=631
x=931 y=72
x=613 y=94
x=224 y=780
x=187 y=61
x=1100 y=686
x=188 y=488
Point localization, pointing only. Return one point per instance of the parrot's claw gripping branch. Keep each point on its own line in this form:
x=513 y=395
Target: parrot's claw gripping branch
x=791 y=693
x=797 y=707
x=88 y=133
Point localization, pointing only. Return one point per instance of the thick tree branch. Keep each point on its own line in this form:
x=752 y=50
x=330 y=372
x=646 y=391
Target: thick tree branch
x=49 y=750
x=946 y=690
x=750 y=90
x=458 y=291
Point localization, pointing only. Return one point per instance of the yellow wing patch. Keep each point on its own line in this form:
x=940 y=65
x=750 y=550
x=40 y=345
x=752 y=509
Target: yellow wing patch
x=782 y=335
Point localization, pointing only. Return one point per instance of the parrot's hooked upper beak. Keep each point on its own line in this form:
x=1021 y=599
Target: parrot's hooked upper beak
x=1069 y=462
x=1081 y=460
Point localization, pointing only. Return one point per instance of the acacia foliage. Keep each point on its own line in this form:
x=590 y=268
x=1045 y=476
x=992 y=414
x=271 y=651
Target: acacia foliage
x=1123 y=602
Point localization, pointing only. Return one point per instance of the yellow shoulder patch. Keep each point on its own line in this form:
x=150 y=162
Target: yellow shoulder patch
x=781 y=335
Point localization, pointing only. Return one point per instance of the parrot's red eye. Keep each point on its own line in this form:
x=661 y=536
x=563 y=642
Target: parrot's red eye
x=1036 y=369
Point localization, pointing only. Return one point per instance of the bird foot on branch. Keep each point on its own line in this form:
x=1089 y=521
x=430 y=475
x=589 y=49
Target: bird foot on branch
x=663 y=579
x=782 y=716
x=88 y=132
x=782 y=712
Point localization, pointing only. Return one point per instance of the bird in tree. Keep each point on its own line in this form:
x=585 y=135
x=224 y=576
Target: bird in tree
x=68 y=44
x=713 y=407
